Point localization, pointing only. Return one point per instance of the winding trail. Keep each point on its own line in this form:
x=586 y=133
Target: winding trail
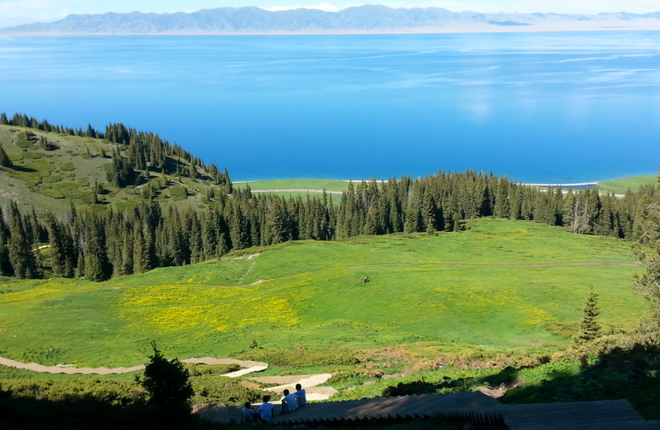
x=248 y=367
x=310 y=382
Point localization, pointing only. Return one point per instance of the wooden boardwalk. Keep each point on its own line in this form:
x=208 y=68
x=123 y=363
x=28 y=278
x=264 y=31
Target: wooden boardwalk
x=466 y=407
x=599 y=415
x=404 y=407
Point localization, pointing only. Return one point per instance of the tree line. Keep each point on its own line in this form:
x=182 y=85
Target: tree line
x=123 y=242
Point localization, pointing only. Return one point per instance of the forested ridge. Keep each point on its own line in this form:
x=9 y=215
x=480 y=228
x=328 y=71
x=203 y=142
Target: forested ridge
x=121 y=242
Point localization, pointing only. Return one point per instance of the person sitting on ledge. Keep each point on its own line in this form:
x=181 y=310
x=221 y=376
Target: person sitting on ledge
x=302 y=397
x=289 y=402
x=265 y=410
x=248 y=414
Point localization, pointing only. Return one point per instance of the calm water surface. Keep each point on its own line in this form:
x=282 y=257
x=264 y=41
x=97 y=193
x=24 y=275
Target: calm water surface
x=551 y=107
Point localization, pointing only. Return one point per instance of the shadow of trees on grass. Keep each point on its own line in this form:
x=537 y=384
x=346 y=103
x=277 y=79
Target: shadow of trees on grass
x=630 y=372
x=620 y=373
x=82 y=413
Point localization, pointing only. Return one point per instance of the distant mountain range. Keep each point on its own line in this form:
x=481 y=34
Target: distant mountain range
x=360 y=19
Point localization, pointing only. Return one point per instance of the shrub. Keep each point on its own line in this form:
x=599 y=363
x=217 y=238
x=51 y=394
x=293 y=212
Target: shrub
x=207 y=369
x=54 y=194
x=302 y=357
x=179 y=193
x=228 y=391
x=168 y=385
x=113 y=392
x=563 y=329
x=340 y=377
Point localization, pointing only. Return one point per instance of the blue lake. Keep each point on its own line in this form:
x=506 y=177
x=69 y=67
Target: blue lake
x=545 y=107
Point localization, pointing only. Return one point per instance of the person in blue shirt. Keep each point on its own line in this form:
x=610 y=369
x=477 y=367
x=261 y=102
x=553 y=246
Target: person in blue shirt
x=289 y=402
x=302 y=397
x=265 y=410
x=248 y=414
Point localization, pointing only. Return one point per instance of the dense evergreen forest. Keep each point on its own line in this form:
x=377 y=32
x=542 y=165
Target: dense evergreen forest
x=98 y=247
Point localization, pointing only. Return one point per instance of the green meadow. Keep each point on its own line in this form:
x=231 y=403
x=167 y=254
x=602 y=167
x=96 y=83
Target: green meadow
x=620 y=186
x=311 y=187
x=497 y=285
x=298 y=184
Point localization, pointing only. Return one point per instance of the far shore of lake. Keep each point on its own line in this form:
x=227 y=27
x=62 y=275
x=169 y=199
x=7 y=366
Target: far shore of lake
x=639 y=24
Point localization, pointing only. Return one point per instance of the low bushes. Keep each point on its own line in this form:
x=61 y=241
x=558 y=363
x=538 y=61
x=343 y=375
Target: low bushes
x=288 y=358
x=210 y=369
x=220 y=389
x=112 y=392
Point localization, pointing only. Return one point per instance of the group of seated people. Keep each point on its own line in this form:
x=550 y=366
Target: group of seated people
x=264 y=413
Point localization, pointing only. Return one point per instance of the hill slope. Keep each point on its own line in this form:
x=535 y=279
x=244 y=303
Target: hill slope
x=72 y=168
x=501 y=284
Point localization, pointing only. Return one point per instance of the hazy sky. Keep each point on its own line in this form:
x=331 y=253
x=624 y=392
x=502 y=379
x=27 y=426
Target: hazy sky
x=22 y=11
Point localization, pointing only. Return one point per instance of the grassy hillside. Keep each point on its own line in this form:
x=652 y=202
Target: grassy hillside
x=499 y=284
x=620 y=186
x=67 y=171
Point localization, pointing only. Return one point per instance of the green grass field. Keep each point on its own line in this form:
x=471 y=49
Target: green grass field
x=298 y=184
x=302 y=184
x=620 y=186
x=496 y=285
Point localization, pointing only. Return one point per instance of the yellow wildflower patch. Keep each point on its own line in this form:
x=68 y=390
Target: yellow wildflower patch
x=41 y=292
x=182 y=307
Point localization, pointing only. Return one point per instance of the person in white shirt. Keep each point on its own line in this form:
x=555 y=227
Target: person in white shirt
x=265 y=410
x=289 y=402
x=302 y=397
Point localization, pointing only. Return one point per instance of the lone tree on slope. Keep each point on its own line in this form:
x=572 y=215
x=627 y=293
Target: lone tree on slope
x=169 y=388
x=589 y=326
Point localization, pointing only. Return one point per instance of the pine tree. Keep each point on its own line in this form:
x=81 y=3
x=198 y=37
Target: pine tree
x=428 y=209
x=97 y=267
x=647 y=254
x=168 y=384
x=371 y=221
x=412 y=220
x=57 y=251
x=70 y=252
x=127 y=252
x=239 y=229
x=196 y=243
x=589 y=327
x=5 y=265
x=276 y=222
x=142 y=258
x=21 y=256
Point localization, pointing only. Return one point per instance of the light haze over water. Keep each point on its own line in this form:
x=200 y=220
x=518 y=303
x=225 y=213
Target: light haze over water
x=537 y=107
